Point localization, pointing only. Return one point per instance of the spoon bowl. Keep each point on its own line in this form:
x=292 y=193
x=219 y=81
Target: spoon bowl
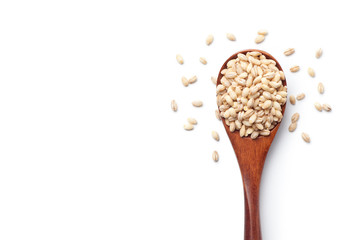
x=251 y=154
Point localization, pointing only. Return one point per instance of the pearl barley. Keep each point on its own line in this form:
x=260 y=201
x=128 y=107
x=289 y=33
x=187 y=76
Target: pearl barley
x=250 y=94
x=231 y=37
x=179 y=59
x=209 y=39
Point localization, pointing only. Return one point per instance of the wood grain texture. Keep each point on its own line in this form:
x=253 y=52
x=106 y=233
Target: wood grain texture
x=251 y=156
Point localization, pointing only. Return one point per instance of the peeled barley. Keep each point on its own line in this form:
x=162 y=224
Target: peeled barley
x=318 y=106
x=305 y=137
x=320 y=88
x=209 y=39
x=188 y=126
x=215 y=156
x=185 y=81
x=318 y=53
x=311 y=72
x=192 y=121
x=203 y=61
x=174 y=106
x=326 y=107
x=259 y=39
x=231 y=36
x=215 y=135
x=289 y=51
x=179 y=59
x=251 y=94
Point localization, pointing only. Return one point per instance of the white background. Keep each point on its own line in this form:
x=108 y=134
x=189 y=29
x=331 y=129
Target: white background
x=90 y=149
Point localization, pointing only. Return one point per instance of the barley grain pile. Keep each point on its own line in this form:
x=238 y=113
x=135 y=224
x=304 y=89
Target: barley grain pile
x=251 y=94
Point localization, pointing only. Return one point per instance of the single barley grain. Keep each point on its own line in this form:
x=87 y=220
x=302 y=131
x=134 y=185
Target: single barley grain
x=179 y=59
x=203 y=61
x=242 y=131
x=292 y=126
x=259 y=39
x=267 y=104
x=192 y=121
x=318 y=53
x=192 y=79
x=294 y=69
x=232 y=126
x=254 y=135
x=326 y=107
x=249 y=131
x=188 y=126
x=217 y=114
x=282 y=75
x=300 y=96
x=174 y=106
x=289 y=51
x=295 y=117
x=214 y=80
x=321 y=88
x=292 y=100
x=220 y=88
x=306 y=137
x=231 y=37
x=215 y=156
x=265 y=133
x=256 y=54
x=263 y=32
x=311 y=72
x=185 y=81
x=318 y=106
x=215 y=135
x=209 y=39
x=237 y=124
x=197 y=103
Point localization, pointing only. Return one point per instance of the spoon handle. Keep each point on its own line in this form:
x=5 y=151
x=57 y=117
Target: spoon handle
x=252 y=229
x=251 y=162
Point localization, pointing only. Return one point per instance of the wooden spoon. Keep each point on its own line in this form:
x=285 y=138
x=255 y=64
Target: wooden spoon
x=251 y=156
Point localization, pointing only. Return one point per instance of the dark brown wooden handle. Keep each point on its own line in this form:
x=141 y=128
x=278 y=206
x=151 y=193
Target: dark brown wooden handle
x=252 y=229
x=251 y=162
